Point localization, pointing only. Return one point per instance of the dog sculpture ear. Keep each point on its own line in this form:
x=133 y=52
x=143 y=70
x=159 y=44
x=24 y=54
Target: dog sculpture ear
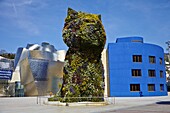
x=99 y=16
x=71 y=12
x=71 y=15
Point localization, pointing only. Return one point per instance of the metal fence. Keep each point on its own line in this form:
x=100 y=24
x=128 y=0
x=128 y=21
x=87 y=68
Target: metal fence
x=44 y=99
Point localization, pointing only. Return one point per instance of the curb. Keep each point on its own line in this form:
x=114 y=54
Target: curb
x=58 y=103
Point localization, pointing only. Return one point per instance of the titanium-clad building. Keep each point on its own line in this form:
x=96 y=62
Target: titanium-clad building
x=40 y=69
x=136 y=68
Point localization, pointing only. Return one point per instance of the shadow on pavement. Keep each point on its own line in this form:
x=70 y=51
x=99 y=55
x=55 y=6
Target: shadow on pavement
x=163 y=102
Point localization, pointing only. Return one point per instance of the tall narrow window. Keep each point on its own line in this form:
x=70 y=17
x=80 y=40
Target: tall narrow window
x=137 y=58
x=161 y=74
x=134 y=87
x=152 y=59
x=151 y=87
x=161 y=87
x=136 y=72
x=151 y=73
x=160 y=60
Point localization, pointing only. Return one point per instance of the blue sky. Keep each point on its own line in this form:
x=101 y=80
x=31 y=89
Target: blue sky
x=36 y=21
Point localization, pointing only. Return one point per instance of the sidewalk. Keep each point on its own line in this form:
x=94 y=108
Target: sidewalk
x=29 y=105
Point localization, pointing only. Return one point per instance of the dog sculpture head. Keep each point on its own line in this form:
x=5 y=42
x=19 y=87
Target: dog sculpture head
x=83 y=30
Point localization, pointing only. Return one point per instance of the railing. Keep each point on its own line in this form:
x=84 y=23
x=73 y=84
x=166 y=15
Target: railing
x=109 y=100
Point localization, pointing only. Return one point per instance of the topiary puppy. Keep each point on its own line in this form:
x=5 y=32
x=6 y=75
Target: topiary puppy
x=85 y=36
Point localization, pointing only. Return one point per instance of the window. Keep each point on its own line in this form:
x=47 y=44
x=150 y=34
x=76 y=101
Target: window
x=136 y=72
x=161 y=87
x=151 y=73
x=137 y=58
x=134 y=87
x=152 y=59
x=160 y=60
x=151 y=87
x=161 y=74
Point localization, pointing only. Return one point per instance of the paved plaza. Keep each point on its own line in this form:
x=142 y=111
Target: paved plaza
x=121 y=105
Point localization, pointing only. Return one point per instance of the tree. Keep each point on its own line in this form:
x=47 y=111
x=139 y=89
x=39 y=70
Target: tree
x=168 y=49
x=8 y=55
x=167 y=59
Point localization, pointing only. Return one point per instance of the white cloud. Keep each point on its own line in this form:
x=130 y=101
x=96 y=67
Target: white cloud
x=29 y=27
x=19 y=13
x=24 y=2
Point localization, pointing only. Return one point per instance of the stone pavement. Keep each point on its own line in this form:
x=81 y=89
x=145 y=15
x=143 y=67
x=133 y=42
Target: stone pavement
x=122 y=105
x=152 y=108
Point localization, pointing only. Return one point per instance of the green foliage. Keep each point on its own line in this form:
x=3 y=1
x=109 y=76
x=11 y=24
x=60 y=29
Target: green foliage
x=166 y=57
x=8 y=55
x=55 y=98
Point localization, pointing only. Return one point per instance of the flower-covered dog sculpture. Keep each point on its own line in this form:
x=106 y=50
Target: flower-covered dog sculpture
x=83 y=72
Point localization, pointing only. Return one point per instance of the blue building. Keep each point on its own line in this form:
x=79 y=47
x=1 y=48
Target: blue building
x=136 y=68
